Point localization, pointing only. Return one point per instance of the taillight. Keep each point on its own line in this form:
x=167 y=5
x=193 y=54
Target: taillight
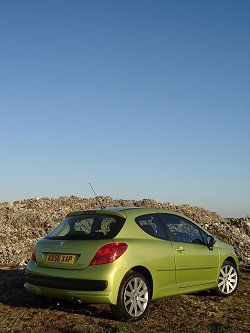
x=33 y=256
x=108 y=253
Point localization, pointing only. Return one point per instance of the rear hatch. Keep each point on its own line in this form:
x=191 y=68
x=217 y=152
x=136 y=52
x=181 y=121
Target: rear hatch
x=69 y=254
x=74 y=242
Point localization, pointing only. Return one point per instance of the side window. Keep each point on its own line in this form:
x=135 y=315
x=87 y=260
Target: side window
x=182 y=230
x=151 y=224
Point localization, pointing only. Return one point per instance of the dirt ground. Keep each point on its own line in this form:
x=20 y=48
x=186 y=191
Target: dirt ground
x=201 y=312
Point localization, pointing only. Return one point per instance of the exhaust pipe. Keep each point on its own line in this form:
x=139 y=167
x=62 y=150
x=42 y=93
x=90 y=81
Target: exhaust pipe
x=76 y=301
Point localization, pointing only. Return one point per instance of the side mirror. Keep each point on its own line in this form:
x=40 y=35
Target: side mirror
x=210 y=242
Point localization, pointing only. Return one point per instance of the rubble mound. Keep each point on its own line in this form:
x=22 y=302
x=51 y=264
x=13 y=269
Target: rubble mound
x=23 y=222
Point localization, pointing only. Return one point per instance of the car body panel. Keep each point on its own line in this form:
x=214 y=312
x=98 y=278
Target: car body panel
x=172 y=267
x=195 y=264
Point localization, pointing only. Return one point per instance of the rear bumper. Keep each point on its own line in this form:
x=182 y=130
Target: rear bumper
x=92 y=284
x=83 y=296
x=66 y=283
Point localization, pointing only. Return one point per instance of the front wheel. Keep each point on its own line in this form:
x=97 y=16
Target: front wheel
x=228 y=279
x=133 y=297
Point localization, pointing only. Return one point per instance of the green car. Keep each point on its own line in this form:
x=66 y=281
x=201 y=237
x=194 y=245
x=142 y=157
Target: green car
x=128 y=256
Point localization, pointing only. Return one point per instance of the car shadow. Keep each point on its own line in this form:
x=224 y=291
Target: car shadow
x=13 y=293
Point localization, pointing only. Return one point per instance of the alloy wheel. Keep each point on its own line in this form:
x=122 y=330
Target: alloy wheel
x=136 y=297
x=228 y=279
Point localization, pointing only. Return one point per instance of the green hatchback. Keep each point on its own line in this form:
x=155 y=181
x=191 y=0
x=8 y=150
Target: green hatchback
x=128 y=256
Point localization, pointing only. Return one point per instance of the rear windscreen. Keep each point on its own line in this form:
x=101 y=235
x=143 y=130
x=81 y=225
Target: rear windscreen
x=94 y=226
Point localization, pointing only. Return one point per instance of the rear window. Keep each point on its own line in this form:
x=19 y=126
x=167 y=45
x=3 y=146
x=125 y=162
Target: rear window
x=94 y=226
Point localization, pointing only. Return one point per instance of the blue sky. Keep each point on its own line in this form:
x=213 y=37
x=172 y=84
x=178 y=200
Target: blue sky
x=144 y=99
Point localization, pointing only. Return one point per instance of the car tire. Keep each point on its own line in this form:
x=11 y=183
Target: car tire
x=228 y=279
x=133 y=297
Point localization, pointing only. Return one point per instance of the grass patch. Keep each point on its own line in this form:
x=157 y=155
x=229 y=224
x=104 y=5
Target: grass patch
x=222 y=328
x=117 y=328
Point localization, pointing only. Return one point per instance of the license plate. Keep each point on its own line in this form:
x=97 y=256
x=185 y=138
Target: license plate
x=61 y=258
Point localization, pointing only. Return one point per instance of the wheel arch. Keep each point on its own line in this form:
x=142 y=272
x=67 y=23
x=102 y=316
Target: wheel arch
x=146 y=273
x=127 y=309
x=227 y=279
x=231 y=259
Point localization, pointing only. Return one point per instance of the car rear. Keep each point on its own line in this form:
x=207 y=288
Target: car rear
x=70 y=262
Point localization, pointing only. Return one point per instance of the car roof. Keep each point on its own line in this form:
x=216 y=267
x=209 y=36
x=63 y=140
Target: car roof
x=132 y=209
x=125 y=209
x=117 y=210
x=121 y=208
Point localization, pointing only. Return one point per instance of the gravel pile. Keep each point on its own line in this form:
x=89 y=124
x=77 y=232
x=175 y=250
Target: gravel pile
x=22 y=223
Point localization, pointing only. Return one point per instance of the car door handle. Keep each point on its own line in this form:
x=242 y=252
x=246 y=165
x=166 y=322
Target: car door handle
x=180 y=249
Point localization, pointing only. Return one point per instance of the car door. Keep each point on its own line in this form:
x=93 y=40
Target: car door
x=196 y=264
x=161 y=256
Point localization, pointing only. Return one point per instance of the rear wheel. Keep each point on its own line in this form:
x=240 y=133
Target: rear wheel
x=228 y=279
x=133 y=297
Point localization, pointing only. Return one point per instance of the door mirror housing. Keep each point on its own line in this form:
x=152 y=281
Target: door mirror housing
x=210 y=242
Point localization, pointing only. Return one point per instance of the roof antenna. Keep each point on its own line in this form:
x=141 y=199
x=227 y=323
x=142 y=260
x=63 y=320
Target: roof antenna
x=99 y=201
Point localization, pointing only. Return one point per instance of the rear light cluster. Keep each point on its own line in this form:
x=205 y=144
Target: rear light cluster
x=108 y=253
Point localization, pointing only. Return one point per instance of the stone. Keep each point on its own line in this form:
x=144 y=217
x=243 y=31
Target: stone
x=23 y=222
